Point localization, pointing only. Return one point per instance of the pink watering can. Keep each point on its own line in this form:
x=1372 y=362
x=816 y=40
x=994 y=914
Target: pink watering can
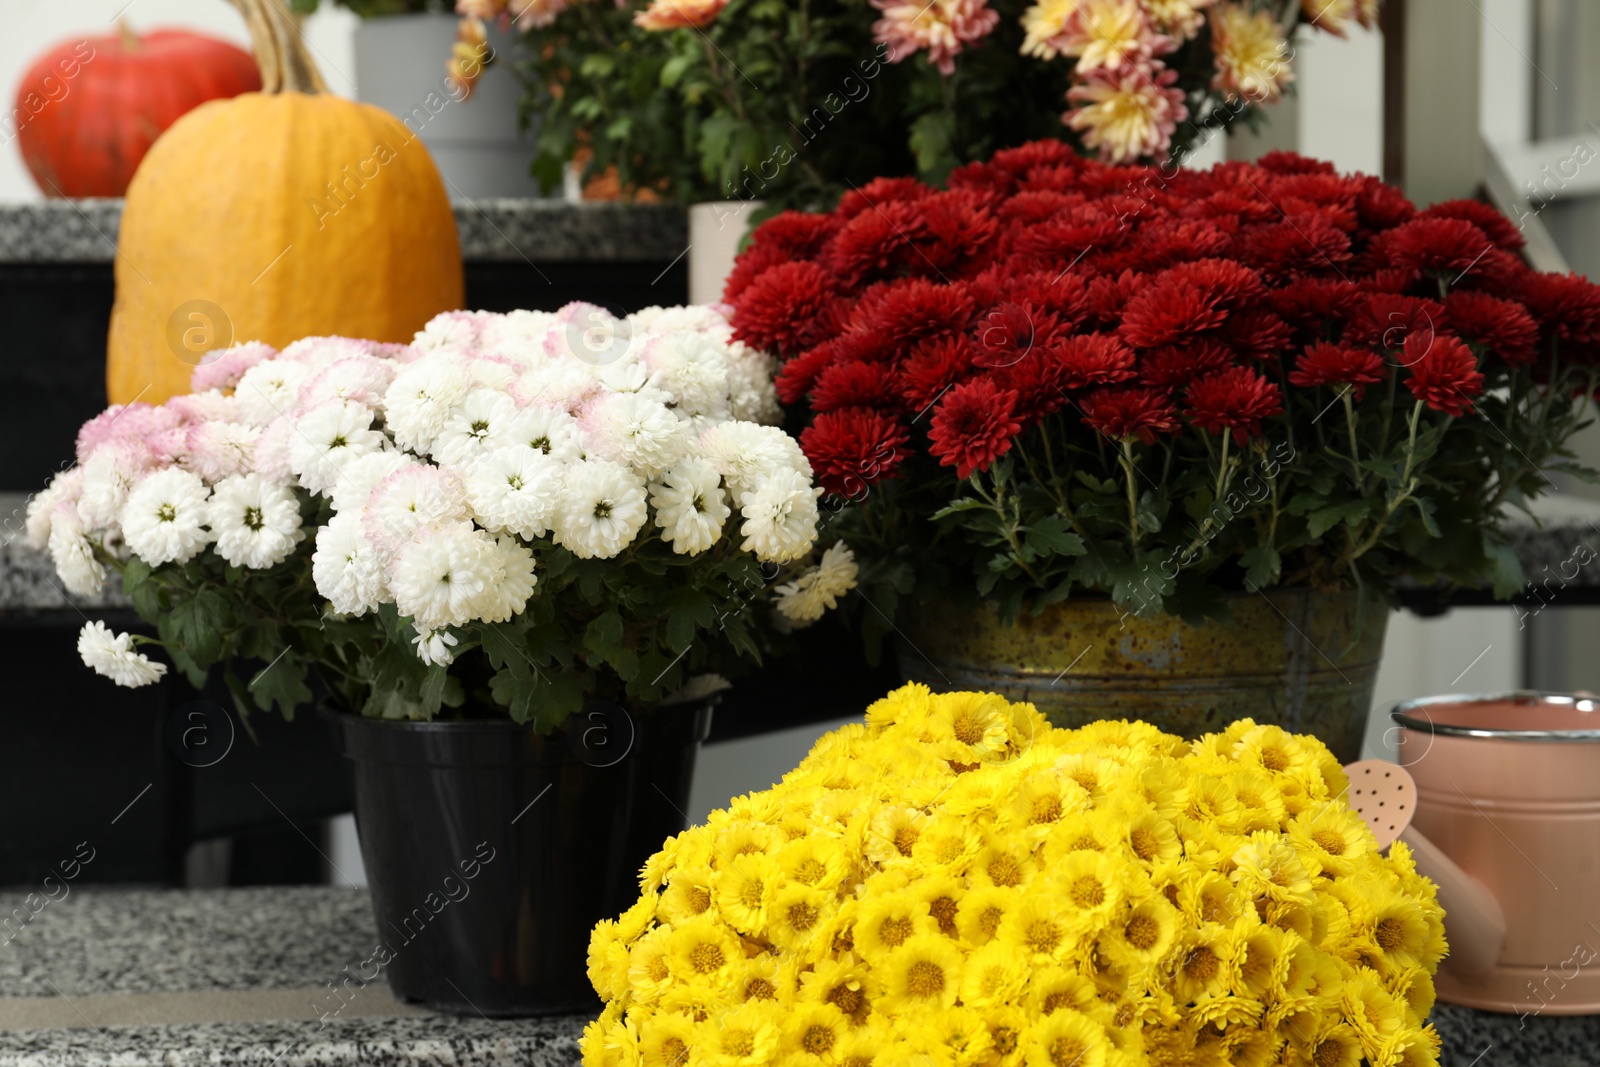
x=1499 y=800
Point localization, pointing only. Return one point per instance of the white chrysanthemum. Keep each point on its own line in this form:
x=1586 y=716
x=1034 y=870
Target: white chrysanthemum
x=518 y=335
x=269 y=389
x=439 y=578
x=474 y=426
x=746 y=454
x=320 y=353
x=751 y=396
x=451 y=330
x=64 y=488
x=692 y=371
x=109 y=475
x=327 y=438
x=550 y=430
x=256 y=522
x=495 y=373
x=780 y=517
x=211 y=405
x=347 y=567
x=421 y=398
x=271 y=459
x=564 y=384
x=361 y=475
x=434 y=646
x=698 y=318
x=219 y=450
x=508 y=594
x=516 y=488
x=411 y=499
x=635 y=430
x=164 y=518
x=690 y=505
x=357 y=377
x=628 y=374
x=73 y=553
x=804 y=600
x=111 y=654
x=602 y=509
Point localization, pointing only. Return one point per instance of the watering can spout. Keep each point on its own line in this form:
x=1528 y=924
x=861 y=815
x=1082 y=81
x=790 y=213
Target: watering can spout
x=1477 y=922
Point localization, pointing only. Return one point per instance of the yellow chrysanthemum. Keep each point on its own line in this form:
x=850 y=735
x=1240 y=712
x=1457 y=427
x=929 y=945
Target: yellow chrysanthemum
x=798 y=912
x=1144 y=935
x=1261 y=805
x=841 y=982
x=816 y=860
x=1066 y=1039
x=892 y=833
x=1207 y=963
x=971 y=727
x=994 y=975
x=1090 y=888
x=954 y=1037
x=1371 y=1010
x=812 y=1034
x=747 y=1036
x=887 y=922
x=1268 y=866
x=1335 y=1045
x=702 y=950
x=687 y=894
x=608 y=960
x=1150 y=838
x=981 y=911
x=648 y=970
x=667 y=1040
x=1411 y=1047
x=1332 y=836
x=947 y=843
x=744 y=891
x=920 y=975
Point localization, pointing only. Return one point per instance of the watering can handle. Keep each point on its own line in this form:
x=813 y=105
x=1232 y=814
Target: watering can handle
x=1478 y=925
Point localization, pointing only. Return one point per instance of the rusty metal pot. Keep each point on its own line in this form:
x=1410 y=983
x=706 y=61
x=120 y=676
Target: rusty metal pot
x=1301 y=658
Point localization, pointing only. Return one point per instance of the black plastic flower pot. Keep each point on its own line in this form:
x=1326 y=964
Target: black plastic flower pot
x=492 y=850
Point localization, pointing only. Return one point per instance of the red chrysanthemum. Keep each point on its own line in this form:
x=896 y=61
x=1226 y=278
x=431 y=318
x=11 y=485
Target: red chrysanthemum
x=1067 y=235
x=880 y=192
x=1130 y=412
x=1279 y=161
x=1010 y=331
x=1499 y=229
x=1047 y=153
x=1381 y=206
x=994 y=183
x=749 y=266
x=1233 y=399
x=1093 y=359
x=959 y=231
x=1504 y=327
x=1567 y=305
x=973 y=426
x=1224 y=282
x=1107 y=295
x=1435 y=244
x=877 y=243
x=933 y=368
x=1444 y=373
x=1169 y=241
x=1330 y=364
x=1386 y=322
x=797 y=234
x=785 y=310
x=914 y=309
x=853 y=448
x=1312 y=303
x=1172 y=367
x=855 y=385
x=1168 y=311
x=1258 y=335
x=797 y=376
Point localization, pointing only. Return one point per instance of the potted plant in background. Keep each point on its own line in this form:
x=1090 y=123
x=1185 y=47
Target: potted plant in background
x=751 y=107
x=1160 y=443
x=415 y=59
x=512 y=558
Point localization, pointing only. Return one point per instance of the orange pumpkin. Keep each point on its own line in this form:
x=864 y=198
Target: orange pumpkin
x=273 y=216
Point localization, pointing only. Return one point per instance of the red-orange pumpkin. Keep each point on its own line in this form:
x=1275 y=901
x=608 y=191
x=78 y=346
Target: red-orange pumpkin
x=88 y=110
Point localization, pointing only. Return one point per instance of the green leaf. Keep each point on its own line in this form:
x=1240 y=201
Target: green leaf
x=930 y=141
x=1052 y=536
x=281 y=683
x=673 y=69
x=1326 y=518
x=433 y=685
x=603 y=636
x=1508 y=574
x=1427 y=509
x=198 y=621
x=1261 y=566
x=689 y=612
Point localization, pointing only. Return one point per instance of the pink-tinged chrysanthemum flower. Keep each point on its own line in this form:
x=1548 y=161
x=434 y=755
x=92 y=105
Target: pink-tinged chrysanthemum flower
x=1127 y=114
x=677 y=14
x=1252 y=55
x=1180 y=19
x=225 y=369
x=1110 y=35
x=1044 y=25
x=943 y=27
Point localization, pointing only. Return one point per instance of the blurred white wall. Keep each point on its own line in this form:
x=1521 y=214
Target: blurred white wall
x=33 y=26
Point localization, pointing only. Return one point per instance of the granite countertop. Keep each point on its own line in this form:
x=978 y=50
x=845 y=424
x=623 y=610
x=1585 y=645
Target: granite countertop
x=130 y=978
x=543 y=231
x=1561 y=551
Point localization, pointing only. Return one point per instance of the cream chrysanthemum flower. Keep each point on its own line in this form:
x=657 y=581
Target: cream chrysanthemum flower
x=419 y=402
x=164 y=518
x=549 y=430
x=1251 y=54
x=635 y=430
x=112 y=655
x=412 y=499
x=808 y=597
x=602 y=509
x=516 y=488
x=347 y=566
x=256 y=522
x=440 y=578
x=473 y=427
x=508 y=593
x=780 y=517
x=74 y=554
x=942 y=28
x=690 y=506
x=64 y=488
x=1128 y=113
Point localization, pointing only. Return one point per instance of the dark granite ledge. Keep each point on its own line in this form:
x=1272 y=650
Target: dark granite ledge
x=492 y=231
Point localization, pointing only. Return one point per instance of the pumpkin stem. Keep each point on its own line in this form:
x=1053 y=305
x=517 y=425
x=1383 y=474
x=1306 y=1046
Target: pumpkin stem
x=279 y=44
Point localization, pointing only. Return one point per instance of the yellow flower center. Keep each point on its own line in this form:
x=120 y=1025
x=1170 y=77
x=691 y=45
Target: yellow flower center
x=751 y=895
x=1085 y=843
x=1329 y=841
x=802 y=915
x=657 y=969
x=904 y=839
x=1212 y=908
x=1087 y=892
x=1055 y=1001
x=760 y=989
x=1145 y=843
x=846 y=999
x=1004 y=870
x=1142 y=932
x=1390 y=934
x=1201 y=965
x=1066 y=1051
x=818 y=1040
x=968 y=731
x=924 y=978
x=810 y=872
x=1124 y=1016
x=1005 y=1040
x=739 y=1043
x=1042 y=935
x=943 y=910
x=948 y=850
x=706 y=957
x=1328 y=1053
x=1088 y=779
x=989 y=921
x=894 y=931
x=673 y=1051
x=1046 y=808
x=1274 y=759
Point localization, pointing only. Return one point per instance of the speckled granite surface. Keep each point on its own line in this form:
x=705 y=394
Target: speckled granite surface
x=100 y=943
x=96 y=944
x=85 y=231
